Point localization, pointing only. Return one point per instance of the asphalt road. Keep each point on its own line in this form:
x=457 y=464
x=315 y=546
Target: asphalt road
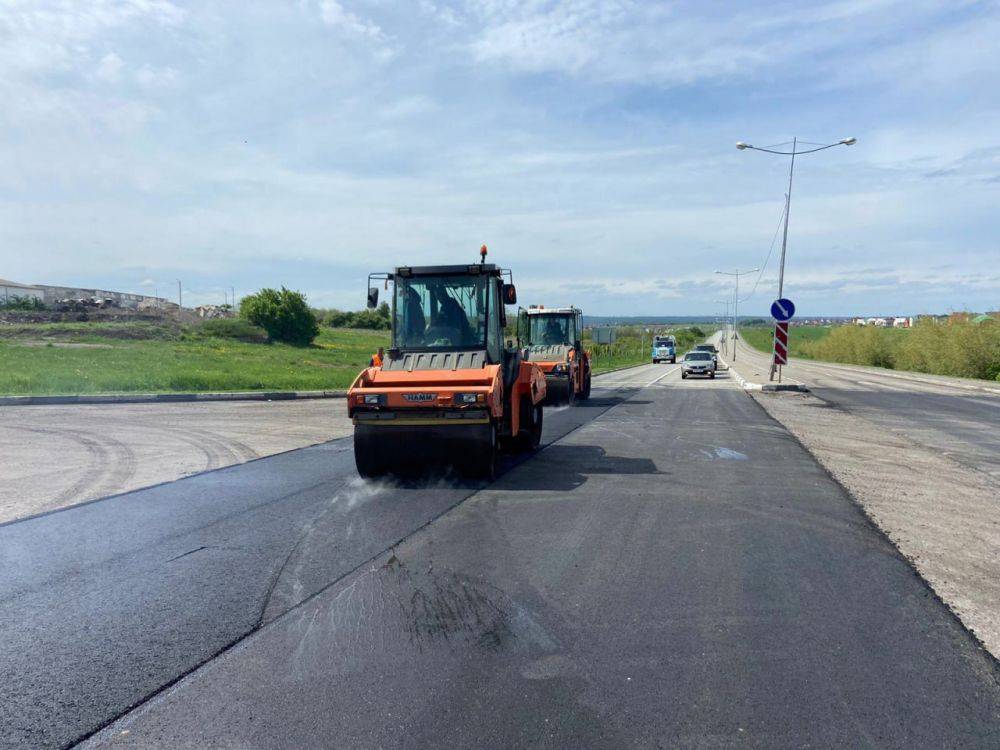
x=956 y=417
x=672 y=569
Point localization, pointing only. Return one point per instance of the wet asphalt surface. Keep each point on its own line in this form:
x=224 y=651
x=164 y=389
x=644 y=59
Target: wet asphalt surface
x=673 y=569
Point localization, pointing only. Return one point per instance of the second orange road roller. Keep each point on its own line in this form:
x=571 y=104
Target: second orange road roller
x=450 y=393
x=552 y=337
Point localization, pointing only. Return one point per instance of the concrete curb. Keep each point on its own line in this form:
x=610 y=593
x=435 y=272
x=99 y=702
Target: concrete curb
x=749 y=386
x=160 y=398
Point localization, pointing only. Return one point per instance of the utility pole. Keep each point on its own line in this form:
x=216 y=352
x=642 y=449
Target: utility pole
x=736 y=301
x=788 y=198
x=725 y=302
x=180 y=296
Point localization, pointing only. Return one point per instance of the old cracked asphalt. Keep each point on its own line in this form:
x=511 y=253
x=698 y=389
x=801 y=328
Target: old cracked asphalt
x=673 y=569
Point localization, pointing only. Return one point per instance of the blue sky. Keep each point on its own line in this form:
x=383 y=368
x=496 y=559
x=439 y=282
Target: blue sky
x=589 y=143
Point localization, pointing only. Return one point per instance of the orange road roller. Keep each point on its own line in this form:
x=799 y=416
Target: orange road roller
x=552 y=337
x=450 y=393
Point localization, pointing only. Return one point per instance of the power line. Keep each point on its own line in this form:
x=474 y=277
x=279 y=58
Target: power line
x=774 y=241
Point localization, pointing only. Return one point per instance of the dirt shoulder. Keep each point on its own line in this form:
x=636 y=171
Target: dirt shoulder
x=943 y=516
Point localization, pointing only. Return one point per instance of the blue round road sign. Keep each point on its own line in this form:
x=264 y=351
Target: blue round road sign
x=782 y=310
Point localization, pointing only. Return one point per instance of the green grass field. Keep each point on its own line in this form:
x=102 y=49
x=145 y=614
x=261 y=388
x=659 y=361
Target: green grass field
x=143 y=357
x=799 y=338
x=108 y=358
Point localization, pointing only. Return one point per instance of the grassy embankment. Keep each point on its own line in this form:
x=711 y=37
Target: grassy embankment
x=631 y=348
x=73 y=358
x=142 y=357
x=956 y=348
x=799 y=338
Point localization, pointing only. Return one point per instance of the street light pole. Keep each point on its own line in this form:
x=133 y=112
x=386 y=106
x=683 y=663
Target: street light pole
x=725 y=302
x=736 y=301
x=784 y=236
x=788 y=197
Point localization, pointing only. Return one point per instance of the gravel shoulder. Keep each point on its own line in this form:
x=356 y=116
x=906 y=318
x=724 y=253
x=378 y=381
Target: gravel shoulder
x=941 y=514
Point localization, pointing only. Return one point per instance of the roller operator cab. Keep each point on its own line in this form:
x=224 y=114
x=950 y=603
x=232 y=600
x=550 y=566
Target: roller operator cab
x=450 y=393
x=552 y=337
x=664 y=349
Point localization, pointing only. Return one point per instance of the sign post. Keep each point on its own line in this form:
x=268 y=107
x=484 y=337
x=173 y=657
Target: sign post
x=782 y=311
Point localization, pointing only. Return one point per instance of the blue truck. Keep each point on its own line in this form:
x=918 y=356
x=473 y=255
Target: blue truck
x=664 y=349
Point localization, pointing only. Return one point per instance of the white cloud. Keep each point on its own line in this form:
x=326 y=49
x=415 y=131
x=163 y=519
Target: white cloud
x=409 y=106
x=110 y=68
x=588 y=142
x=335 y=15
x=42 y=35
x=151 y=77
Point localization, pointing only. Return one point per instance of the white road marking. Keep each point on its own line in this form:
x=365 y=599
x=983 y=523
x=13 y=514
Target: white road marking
x=658 y=378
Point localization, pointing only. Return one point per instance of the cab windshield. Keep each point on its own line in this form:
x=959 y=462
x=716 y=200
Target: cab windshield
x=663 y=341
x=440 y=312
x=550 y=330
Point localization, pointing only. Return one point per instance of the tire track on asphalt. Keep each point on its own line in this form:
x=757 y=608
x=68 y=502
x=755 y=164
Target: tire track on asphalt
x=217 y=451
x=112 y=463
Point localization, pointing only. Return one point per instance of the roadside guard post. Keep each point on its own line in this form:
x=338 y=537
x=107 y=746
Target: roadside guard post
x=782 y=311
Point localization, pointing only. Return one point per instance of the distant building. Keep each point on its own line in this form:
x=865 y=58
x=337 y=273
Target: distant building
x=53 y=294
x=214 y=311
x=902 y=322
x=11 y=289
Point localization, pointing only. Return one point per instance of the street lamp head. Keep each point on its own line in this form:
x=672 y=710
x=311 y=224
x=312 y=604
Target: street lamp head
x=849 y=141
x=741 y=145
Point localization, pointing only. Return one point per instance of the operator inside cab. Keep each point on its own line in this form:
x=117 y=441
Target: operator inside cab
x=449 y=324
x=553 y=333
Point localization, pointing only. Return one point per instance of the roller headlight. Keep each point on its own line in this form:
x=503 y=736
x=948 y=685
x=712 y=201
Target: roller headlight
x=560 y=368
x=374 y=399
x=468 y=398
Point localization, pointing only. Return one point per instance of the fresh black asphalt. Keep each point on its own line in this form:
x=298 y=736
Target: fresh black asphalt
x=103 y=604
x=677 y=572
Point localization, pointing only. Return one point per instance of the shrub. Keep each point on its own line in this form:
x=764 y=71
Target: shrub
x=957 y=348
x=283 y=314
x=856 y=345
x=232 y=328
x=376 y=320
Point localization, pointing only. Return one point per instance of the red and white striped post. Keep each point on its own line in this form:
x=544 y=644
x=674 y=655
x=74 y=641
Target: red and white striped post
x=780 y=346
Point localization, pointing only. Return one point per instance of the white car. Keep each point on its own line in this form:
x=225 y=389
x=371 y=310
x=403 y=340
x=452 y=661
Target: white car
x=698 y=363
